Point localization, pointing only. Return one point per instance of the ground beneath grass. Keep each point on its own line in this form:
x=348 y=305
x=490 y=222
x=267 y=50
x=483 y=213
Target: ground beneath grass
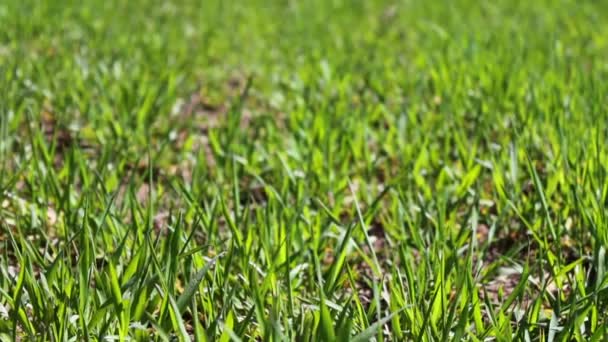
x=316 y=170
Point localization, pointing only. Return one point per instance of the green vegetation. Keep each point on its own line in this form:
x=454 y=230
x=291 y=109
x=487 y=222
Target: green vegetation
x=303 y=170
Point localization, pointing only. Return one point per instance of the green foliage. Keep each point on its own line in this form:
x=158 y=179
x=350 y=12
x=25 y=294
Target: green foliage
x=303 y=170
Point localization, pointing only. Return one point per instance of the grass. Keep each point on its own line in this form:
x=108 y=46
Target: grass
x=303 y=170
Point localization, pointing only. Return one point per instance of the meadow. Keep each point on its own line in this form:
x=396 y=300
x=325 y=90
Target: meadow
x=319 y=170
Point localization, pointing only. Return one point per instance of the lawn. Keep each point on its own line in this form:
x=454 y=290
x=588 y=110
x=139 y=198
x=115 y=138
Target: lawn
x=319 y=170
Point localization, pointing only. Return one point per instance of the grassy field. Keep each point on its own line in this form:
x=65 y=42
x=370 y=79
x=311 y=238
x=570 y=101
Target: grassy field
x=303 y=170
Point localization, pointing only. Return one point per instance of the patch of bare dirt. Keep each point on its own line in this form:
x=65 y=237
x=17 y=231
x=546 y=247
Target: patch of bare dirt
x=60 y=136
x=208 y=114
x=504 y=260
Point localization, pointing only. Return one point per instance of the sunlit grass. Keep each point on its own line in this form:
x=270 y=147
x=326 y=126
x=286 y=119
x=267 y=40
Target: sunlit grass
x=313 y=170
